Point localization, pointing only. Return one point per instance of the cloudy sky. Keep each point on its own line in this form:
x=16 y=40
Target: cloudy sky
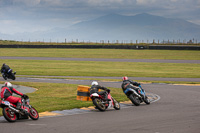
x=38 y=15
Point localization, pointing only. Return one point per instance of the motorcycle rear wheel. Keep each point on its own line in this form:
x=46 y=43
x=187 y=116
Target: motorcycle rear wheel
x=100 y=106
x=135 y=100
x=116 y=104
x=9 y=115
x=4 y=76
x=33 y=114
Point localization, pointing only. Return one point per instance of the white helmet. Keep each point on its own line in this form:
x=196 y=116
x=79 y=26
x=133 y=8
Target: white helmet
x=8 y=84
x=94 y=83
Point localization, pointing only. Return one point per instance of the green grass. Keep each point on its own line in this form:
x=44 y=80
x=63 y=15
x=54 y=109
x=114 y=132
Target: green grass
x=104 y=53
x=54 y=96
x=107 y=69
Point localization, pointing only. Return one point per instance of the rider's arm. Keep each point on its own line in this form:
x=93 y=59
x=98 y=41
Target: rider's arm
x=17 y=92
x=135 y=83
x=104 y=88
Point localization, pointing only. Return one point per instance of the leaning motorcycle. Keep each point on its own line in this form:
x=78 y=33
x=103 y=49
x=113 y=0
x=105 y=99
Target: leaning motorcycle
x=138 y=96
x=9 y=75
x=101 y=104
x=11 y=113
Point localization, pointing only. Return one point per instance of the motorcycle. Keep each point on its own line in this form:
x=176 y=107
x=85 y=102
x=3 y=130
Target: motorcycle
x=101 y=104
x=11 y=113
x=9 y=75
x=138 y=96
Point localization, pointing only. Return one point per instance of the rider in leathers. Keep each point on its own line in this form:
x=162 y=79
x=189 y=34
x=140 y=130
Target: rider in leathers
x=95 y=88
x=7 y=91
x=129 y=84
x=5 y=70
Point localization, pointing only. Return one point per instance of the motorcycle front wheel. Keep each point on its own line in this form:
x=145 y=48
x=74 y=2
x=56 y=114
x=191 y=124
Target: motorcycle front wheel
x=146 y=100
x=9 y=115
x=116 y=104
x=12 y=76
x=33 y=114
x=135 y=100
x=98 y=103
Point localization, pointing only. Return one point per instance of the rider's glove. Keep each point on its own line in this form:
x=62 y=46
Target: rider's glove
x=138 y=84
x=25 y=96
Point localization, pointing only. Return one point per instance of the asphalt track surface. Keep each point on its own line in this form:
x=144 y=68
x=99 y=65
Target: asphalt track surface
x=177 y=111
x=102 y=59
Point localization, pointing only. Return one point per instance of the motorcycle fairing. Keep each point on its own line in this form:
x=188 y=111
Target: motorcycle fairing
x=132 y=90
x=94 y=95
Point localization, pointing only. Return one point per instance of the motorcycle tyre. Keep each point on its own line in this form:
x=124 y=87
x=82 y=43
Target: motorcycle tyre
x=116 y=102
x=4 y=76
x=133 y=99
x=32 y=117
x=97 y=105
x=146 y=100
x=12 y=76
x=4 y=111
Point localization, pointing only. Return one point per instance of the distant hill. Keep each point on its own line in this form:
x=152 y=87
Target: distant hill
x=118 y=27
x=139 y=27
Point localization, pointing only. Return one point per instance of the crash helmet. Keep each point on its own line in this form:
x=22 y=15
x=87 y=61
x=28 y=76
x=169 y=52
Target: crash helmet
x=7 y=84
x=94 y=83
x=124 y=78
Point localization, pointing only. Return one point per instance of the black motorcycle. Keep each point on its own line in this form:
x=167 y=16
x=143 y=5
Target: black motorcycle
x=137 y=96
x=9 y=75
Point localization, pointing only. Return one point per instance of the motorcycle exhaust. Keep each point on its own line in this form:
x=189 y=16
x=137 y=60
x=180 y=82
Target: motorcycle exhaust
x=15 y=110
x=136 y=93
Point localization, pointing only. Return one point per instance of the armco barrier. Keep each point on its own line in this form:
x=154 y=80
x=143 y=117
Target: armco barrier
x=155 y=47
x=77 y=46
x=175 y=47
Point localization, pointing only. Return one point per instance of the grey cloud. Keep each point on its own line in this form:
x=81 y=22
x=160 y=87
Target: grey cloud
x=65 y=12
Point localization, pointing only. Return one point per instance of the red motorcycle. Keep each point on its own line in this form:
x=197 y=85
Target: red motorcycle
x=11 y=113
x=101 y=104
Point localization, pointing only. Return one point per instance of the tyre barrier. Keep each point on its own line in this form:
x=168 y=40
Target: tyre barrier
x=83 y=93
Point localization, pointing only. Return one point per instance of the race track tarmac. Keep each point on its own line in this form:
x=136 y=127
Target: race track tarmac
x=176 y=111
x=101 y=59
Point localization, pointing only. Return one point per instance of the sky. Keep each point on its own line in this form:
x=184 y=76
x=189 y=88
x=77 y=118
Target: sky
x=18 y=16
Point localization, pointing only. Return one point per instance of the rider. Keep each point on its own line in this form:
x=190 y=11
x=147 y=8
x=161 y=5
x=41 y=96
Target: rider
x=5 y=69
x=129 y=84
x=95 y=88
x=6 y=93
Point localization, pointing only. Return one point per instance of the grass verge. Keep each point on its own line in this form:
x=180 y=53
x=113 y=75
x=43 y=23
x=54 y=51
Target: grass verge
x=103 y=53
x=53 y=96
x=97 y=68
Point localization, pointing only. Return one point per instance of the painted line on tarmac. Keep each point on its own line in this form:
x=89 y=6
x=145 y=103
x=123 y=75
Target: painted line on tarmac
x=90 y=109
x=127 y=104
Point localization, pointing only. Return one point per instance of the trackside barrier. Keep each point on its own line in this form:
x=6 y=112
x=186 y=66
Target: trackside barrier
x=83 y=93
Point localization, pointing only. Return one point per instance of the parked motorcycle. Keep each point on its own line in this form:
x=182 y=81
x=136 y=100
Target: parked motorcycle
x=101 y=104
x=11 y=113
x=138 y=96
x=9 y=75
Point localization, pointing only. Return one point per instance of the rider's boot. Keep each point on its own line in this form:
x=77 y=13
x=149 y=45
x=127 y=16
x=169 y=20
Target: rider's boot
x=106 y=99
x=19 y=106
